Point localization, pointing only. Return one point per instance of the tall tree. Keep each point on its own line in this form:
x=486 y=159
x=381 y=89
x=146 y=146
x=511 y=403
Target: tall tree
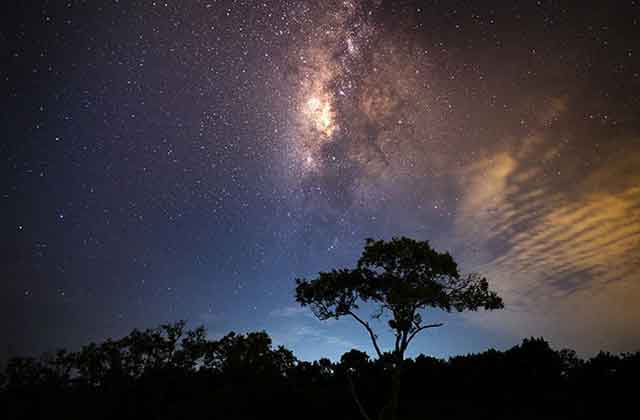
x=401 y=278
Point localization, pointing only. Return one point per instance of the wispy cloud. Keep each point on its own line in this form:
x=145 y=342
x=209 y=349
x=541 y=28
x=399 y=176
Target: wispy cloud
x=566 y=259
x=289 y=312
x=311 y=333
x=524 y=227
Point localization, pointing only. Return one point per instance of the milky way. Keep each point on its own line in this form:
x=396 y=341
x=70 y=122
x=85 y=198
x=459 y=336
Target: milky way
x=189 y=160
x=361 y=104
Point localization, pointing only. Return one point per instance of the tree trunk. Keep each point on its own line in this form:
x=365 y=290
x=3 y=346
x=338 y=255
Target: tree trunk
x=390 y=410
x=395 y=392
x=352 y=387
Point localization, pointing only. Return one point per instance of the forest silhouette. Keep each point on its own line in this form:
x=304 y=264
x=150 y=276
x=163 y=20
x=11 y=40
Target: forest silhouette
x=172 y=372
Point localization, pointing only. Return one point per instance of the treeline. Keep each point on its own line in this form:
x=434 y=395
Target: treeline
x=171 y=372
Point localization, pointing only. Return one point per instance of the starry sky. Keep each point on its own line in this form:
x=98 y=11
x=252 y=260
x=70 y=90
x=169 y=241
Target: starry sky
x=166 y=160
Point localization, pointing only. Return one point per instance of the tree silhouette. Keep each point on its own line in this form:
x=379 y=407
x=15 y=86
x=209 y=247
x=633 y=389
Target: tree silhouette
x=249 y=353
x=401 y=278
x=169 y=371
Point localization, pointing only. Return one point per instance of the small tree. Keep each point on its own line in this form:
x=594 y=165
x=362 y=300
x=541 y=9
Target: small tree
x=401 y=277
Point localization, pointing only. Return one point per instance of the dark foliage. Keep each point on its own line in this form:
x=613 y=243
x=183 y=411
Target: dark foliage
x=173 y=373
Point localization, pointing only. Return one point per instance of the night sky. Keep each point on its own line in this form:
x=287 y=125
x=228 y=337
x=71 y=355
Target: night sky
x=190 y=159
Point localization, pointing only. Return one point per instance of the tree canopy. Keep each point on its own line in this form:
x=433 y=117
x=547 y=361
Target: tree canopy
x=401 y=277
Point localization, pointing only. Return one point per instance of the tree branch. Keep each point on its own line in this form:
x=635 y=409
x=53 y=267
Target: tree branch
x=424 y=327
x=369 y=330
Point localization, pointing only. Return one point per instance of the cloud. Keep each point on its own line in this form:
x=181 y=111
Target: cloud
x=562 y=248
x=313 y=342
x=289 y=312
x=319 y=334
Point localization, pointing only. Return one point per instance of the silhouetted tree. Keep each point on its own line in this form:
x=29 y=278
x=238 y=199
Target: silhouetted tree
x=401 y=277
x=251 y=352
